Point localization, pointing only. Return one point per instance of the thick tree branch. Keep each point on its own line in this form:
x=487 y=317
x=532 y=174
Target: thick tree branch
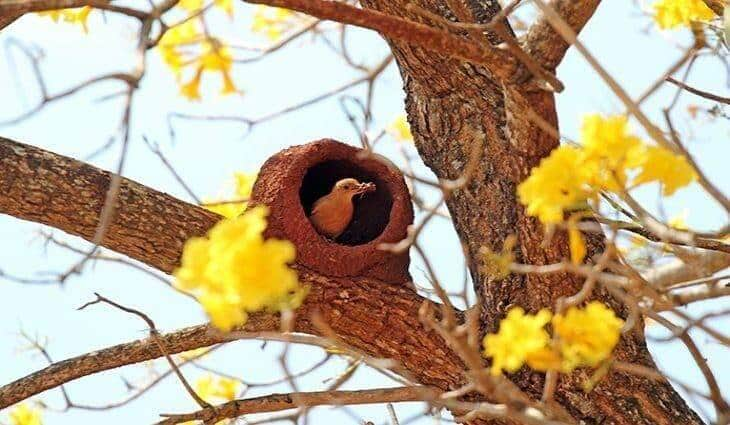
x=19 y=8
x=545 y=44
x=376 y=318
x=717 y=6
x=453 y=106
x=46 y=188
x=7 y=19
x=141 y=350
x=499 y=63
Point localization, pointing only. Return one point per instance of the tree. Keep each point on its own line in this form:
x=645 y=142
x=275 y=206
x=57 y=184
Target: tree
x=533 y=218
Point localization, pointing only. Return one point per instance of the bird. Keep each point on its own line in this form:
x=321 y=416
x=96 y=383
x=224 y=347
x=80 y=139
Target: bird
x=332 y=213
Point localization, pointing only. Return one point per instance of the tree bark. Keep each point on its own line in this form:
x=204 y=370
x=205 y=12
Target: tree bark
x=374 y=317
x=452 y=106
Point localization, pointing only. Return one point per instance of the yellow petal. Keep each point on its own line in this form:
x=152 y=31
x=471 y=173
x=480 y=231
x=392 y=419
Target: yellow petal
x=576 y=242
x=191 y=90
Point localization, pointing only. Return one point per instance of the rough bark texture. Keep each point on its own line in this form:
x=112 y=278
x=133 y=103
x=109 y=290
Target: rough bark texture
x=150 y=226
x=453 y=105
x=545 y=44
x=289 y=183
x=377 y=318
x=278 y=402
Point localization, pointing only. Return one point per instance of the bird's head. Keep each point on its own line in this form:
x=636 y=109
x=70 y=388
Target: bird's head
x=353 y=187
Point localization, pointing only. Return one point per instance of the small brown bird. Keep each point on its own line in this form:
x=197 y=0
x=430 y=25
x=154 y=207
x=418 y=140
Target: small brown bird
x=333 y=212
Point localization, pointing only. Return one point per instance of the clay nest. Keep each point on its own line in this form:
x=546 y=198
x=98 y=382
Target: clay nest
x=291 y=181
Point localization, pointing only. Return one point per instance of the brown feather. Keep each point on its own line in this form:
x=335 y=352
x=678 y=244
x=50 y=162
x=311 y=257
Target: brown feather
x=333 y=212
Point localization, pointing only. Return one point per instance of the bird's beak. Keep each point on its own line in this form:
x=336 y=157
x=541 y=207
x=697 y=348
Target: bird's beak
x=365 y=188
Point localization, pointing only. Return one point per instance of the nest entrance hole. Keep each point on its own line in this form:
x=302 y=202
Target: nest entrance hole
x=372 y=211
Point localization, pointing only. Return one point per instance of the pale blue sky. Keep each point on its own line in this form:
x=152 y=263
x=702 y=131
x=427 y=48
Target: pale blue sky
x=206 y=154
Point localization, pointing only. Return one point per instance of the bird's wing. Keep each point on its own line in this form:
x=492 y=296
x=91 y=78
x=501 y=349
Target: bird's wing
x=318 y=205
x=331 y=215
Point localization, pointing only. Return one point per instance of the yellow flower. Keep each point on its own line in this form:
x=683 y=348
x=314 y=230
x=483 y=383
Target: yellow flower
x=226 y=209
x=638 y=242
x=184 y=46
x=55 y=15
x=244 y=186
x=670 y=14
x=400 y=130
x=608 y=150
x=191 y=89
x=234 y=270
x=214 y=389
x=272 y=22
x=587 y=335
x=194 y=354
x=575 y=242
x=77 y=15
x=196 y=5
x=184 y=34
x=497 y=264
x=226 y=5
x=672 y=170
x=217 y=58
x=23 y=414
x=558 y=183
x=191 y=5
x=521 y=338
x=679 y=221
x=228 y=86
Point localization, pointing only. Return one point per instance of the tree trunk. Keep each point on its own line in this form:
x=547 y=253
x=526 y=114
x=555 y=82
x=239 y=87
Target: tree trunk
x=454 y=108
x=453 y=105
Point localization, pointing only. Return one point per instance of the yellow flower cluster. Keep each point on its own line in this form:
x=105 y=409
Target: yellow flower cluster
x=272 y=22
x=400 y=130
x=575 y=241
x=497 y=264
x=23 y=414
x=670 y=14
x=217 y=389
x=570 y=176
x=244 y=185
x=521 y=338
x=555 y=185
x=197 y=5
x=77 y=15
x=194 y=354
x=585 y=337
x=234 y=270
x=185 y=46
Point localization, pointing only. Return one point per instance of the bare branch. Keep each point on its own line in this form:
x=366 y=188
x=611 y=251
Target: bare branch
x=707 y=263
x=706 y=95
x=155 y=335
x=278 y=402
x=109 y=358
x=19 y=8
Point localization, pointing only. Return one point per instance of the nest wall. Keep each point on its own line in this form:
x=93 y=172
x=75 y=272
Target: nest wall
x=292 y=180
